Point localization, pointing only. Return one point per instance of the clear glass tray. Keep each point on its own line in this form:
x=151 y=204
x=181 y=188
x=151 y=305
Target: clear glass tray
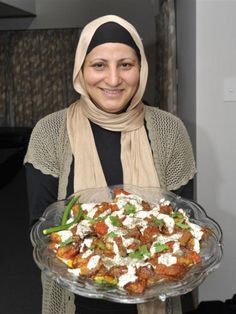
x=211 y=251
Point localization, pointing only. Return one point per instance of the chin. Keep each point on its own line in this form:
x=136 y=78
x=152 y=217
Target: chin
x=112 y=107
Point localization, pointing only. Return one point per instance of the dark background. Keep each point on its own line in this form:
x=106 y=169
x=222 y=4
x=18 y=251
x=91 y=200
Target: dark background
x=20 y=291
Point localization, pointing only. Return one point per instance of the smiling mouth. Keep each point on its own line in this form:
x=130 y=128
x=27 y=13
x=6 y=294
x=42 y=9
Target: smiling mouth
x=112 y=92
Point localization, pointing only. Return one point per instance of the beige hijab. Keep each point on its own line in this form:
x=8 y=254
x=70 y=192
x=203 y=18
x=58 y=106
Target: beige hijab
x=136 y=156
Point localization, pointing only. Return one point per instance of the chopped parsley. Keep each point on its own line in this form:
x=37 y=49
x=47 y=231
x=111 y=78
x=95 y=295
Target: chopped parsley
x=177 y=215
x=140 y=253
x=94 y=220
x=129 y=209
x=112 y=234
x=182 y=225
x=115 y=221
x=158 y=222
x=161 y=247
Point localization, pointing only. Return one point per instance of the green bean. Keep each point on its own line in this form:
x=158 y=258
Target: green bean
x=65 y=226
x=68 y=209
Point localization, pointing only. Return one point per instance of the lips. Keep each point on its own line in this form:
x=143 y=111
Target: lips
x=112 y=92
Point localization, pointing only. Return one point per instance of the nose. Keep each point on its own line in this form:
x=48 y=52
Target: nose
x=113 y=77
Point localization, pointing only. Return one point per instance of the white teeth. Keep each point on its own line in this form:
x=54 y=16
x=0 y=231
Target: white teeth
x=112 y=92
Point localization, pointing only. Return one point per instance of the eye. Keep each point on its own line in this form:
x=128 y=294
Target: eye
x=126 y=65
x=98 y=66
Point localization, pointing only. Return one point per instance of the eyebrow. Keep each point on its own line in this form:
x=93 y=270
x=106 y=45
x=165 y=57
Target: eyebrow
x=106 y=60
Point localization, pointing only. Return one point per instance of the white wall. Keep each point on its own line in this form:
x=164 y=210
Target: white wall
x=216 y=132
x=207 y=55
x=76 y=13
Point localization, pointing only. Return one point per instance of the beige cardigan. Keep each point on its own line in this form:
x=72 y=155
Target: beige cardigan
x=49 y=151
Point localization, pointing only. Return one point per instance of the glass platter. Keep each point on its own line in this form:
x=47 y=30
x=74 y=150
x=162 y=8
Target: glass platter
x=211 y=251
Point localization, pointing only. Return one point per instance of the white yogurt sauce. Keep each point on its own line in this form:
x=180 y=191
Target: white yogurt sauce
x=196 y=246
x=167 y=259
x=129 y=277
x=90 y=208
x=196 y=230
x=65 y=235
x=87 y=254
x=83 y=229
x=169 y=222
x=93 y=261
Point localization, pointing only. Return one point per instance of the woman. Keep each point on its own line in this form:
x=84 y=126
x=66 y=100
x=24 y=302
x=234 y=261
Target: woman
x=107 y=137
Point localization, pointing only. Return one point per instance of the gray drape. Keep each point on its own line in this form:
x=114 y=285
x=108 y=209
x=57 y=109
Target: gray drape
x=166 y=74
x=36 y=74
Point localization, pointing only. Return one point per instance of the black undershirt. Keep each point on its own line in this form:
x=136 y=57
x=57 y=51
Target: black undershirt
x=43 y=190
x=109 y=149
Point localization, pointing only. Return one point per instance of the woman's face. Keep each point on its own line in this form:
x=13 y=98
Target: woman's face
x=111 y=76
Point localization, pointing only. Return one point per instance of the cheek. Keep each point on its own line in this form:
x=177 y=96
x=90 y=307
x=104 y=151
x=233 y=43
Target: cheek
x=134 y=83
x=133 y=80
x=90 y=78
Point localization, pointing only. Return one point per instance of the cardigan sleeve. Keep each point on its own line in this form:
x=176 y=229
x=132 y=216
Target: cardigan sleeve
x=180 y=160
x=42 y=164
x=45 y=145
x=172 y=149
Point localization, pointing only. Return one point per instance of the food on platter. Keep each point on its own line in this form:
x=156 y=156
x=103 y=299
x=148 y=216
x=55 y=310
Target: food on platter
x=128 y=243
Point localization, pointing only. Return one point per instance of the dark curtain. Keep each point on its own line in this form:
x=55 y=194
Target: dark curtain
x=166 y=74
x=36 y=74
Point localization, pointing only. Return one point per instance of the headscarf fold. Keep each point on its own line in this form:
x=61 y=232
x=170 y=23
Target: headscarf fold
x=136 y=155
